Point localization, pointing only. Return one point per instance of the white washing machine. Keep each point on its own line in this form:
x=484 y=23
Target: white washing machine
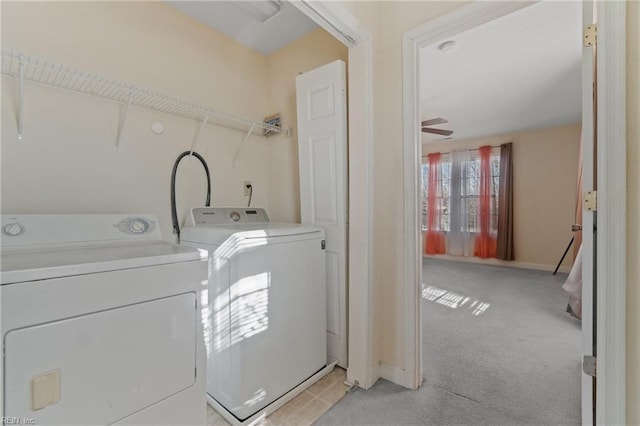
x=267 y=336
x=101 y=322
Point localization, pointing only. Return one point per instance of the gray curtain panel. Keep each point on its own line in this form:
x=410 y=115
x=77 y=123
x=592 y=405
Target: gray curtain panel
x=505 y=204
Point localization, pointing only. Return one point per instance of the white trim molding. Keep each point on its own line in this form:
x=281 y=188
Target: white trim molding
x=334 y=19
x=412 y=226
x=388 y=372
x=341 y=24
x=361 y=307
x=612 y=186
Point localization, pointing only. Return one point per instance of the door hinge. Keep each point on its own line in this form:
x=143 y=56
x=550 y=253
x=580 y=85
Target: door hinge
x=590 y=35
x=591 y=201
x=589 y=365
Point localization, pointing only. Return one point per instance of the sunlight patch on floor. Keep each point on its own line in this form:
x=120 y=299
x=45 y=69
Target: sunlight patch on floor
x=454 y=300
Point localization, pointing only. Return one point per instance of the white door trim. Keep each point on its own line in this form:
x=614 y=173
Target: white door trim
x=334 y=19
x=611 y=252
x=341 y=24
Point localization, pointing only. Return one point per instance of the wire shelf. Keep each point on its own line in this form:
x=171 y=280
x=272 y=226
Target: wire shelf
x=22 y=66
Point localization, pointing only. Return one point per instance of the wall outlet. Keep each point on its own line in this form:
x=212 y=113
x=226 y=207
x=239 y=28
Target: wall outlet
x=246 y=185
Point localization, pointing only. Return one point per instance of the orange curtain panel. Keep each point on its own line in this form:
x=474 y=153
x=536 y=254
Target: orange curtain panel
x=434 y=237
x=486 y=242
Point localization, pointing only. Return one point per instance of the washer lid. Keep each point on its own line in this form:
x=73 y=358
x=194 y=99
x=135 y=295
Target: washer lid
x=218 y=234
x=20 y=265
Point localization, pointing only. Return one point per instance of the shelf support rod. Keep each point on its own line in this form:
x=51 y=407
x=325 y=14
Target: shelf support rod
x=123 y=121
x=197 y=138
x=246 y=138
x=20 y=96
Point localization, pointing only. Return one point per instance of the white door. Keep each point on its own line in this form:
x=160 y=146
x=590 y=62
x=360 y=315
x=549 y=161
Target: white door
x=322 y=154
x=588 y=218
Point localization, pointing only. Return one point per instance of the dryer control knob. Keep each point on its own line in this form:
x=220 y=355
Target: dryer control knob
x=13 y=229
x=138 y=226
x=235 y=216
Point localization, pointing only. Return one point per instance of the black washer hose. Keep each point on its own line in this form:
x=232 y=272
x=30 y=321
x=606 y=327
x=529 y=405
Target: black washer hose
x=174 y=213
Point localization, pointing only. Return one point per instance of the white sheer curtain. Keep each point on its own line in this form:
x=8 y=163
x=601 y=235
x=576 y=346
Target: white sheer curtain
x=460 y=241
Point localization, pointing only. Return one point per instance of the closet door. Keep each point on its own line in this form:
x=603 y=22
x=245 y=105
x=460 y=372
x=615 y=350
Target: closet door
x=322 y=153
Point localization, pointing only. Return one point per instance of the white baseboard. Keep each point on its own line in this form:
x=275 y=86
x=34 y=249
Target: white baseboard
x=388 y=372
x=499 y=262
x=375 y=375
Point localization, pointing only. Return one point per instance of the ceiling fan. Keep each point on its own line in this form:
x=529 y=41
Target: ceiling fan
x=433 y=121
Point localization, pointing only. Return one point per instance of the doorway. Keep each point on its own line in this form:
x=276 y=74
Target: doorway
x=611 y=128
x=499 y=94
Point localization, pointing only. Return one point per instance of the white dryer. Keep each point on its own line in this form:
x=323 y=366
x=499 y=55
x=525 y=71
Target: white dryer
x=266 y=339
x=101 y=322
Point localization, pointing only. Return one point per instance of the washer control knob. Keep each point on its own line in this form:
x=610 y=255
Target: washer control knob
x=235 y=216
x=138 y=226
x=13 y=229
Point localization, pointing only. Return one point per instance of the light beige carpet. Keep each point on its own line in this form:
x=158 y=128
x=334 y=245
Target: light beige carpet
x=499 y=349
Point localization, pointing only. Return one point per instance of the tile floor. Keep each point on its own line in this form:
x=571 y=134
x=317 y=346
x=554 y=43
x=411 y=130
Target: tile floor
x=305 y=408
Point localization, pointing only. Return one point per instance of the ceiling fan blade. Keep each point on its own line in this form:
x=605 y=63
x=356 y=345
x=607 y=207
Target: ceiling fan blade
x=434 y=121
x=437 y=131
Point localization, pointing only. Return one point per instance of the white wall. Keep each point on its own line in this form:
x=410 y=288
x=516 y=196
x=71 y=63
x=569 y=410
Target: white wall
x=66 y=161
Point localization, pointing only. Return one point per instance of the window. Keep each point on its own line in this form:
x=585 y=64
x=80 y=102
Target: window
x=443 y=200
x=469 y=193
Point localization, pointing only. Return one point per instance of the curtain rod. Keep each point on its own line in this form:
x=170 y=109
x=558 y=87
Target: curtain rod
x=470 y=149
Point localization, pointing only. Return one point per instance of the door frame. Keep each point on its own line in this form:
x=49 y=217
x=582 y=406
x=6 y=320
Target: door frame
x=611 y=251
x=346 y=28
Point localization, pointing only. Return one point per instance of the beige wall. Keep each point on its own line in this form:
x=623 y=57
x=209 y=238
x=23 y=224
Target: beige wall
x=633 y=213
x=67 y=157
x=311 y=51
x=67 y=163
x=545 y=164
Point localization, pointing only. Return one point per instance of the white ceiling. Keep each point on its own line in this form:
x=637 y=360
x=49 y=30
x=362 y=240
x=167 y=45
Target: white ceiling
x=232 y=18
x=519 y=72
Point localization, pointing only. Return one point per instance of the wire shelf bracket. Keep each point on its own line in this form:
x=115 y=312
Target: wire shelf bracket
x=20 y=97
x=123 y=121
x=241 y=147
x=25 y=67
x=197 y=138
